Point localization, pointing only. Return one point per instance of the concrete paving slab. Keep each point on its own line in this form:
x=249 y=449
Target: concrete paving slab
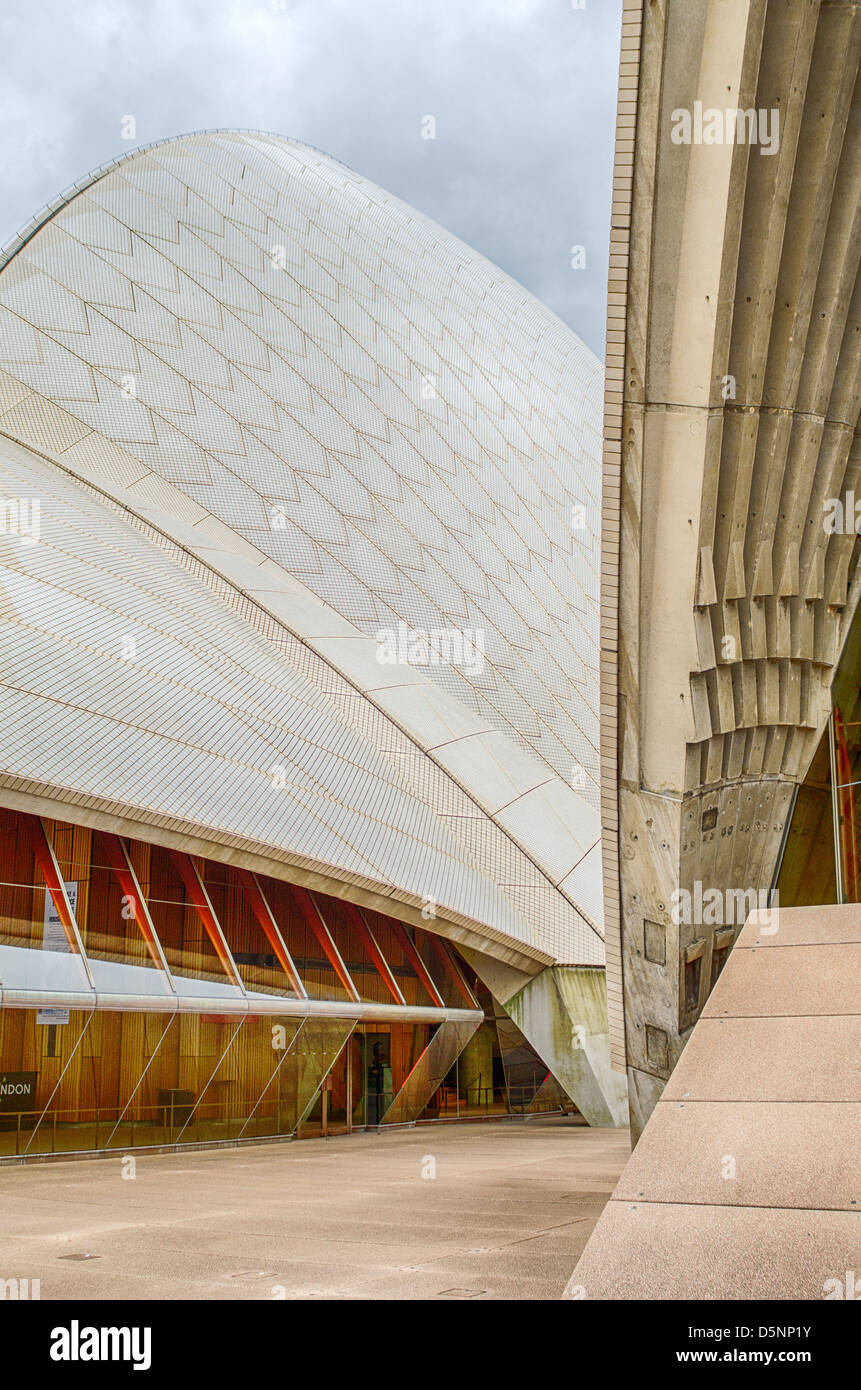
x=704 y=1252
x=770 y=1059
x=798 y=926
x=756 y=1154
x=745 y=1181
x=804 y=980
x=506 y=1216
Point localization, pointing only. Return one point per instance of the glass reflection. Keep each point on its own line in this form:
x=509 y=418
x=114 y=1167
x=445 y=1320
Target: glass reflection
x=36 y=953
x=429 y=1071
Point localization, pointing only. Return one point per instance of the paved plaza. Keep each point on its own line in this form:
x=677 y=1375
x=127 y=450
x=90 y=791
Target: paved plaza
x=499 y=1210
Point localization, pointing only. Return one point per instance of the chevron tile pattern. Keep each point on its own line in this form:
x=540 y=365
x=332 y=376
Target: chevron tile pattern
x=350 y=389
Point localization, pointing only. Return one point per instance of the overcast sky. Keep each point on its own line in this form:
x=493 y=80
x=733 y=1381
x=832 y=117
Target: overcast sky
x=523 y=94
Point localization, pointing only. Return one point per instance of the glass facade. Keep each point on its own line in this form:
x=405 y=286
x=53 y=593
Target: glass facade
x=152 y=998
x=429 y=1072
x=822 y=853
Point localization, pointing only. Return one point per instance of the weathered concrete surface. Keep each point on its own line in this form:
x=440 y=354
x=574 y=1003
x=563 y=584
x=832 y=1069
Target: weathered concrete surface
x=508 y=1212
x=731 y=414
x=562 y=1012
x=746 y=1181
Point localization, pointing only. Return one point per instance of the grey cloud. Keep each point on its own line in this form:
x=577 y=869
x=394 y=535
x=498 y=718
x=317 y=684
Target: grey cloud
x=523 y=94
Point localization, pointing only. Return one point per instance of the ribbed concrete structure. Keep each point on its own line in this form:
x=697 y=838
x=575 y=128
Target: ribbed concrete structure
x=731 y=419
x=745 y=1183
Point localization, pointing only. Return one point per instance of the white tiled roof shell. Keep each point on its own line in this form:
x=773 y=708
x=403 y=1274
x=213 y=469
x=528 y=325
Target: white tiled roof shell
x=129 y=683
x=297 y=392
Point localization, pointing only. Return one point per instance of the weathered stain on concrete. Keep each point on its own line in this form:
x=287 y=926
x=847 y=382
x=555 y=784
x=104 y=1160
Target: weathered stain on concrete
x=563 y=1013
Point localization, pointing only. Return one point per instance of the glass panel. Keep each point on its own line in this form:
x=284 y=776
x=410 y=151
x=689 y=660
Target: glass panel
x=808 y=871
x=23 y=1090
x=64 y=1116
x=328 y=1114
x=316 y=973
x=525 y=1072
x=35 y=953
x=271 y=1040
x=354 y=952
x=255 y=957
x=429 y=1071
x=48 y=962
x=191 y=955
x=219 y=1110
x=99 y=1060
x=480 y=1078
x=183 y=1066
x=431 y=950
x=410 y=985
x=299 y=1079
x=145 y=1114
x=109 y=919
x=111 y=1080
x=550 y=1096
x=387 y=1053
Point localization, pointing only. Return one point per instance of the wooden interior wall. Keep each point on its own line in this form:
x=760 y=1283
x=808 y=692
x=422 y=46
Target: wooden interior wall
x=317 y=975
x=187 y=947
x=100 y=1058
x=109 y=934
x=22 y=893
x=364 y=974
x=411 y=987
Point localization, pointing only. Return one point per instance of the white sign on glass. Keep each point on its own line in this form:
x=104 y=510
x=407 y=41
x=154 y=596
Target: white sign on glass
x=53 y=935
x=54 y=939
